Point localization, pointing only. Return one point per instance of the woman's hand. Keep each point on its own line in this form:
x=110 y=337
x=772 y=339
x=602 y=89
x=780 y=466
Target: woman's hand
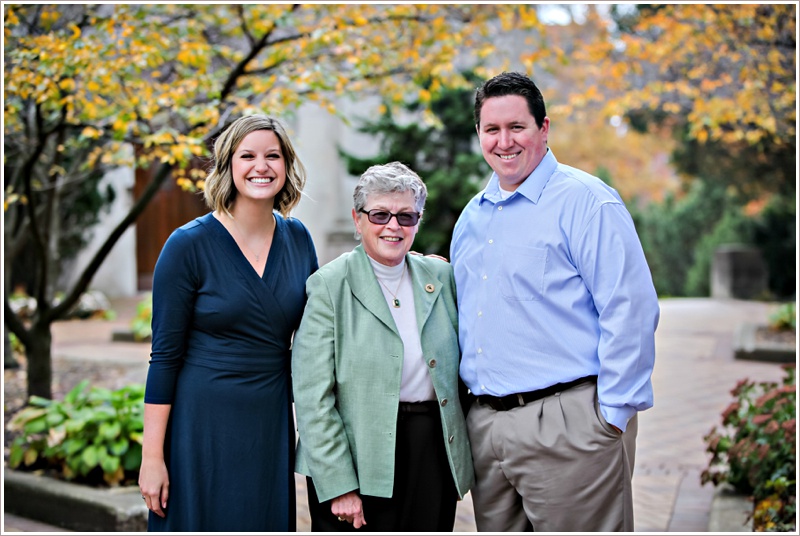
x=348 y=508
x=154 y=484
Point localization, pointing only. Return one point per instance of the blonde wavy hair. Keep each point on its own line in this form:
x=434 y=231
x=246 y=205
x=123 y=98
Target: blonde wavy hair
x=220 y=192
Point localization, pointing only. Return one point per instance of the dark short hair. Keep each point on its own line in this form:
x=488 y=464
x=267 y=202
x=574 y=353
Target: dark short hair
x=512 y=83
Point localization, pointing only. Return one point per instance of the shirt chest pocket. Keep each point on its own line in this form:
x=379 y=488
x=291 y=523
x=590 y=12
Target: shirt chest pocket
x=521 y=272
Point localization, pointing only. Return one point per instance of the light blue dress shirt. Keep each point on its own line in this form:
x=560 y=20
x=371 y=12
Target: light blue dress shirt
x=552 y=286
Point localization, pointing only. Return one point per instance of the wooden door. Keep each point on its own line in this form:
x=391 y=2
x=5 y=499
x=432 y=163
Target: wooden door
x=170 y=208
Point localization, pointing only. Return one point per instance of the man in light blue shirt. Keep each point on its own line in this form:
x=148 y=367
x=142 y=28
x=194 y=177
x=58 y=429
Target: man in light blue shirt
x=557 y=317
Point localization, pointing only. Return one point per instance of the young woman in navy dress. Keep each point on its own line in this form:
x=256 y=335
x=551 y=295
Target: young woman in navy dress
x=228 y=293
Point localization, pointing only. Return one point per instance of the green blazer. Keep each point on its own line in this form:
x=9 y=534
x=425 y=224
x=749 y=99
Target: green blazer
x=347 y=360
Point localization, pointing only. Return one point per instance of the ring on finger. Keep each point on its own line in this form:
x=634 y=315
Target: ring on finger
x=340 y=518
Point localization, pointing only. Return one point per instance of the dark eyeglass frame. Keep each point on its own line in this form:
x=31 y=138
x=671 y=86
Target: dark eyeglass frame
x=404 y=219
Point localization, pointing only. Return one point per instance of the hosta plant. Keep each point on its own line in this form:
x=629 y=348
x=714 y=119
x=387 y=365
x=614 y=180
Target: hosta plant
x=94 y=435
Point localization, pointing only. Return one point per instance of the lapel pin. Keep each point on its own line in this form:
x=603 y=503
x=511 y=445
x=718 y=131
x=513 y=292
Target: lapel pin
x=429 y=288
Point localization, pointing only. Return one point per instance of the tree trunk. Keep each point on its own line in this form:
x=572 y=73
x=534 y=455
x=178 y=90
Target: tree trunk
x=40 y=368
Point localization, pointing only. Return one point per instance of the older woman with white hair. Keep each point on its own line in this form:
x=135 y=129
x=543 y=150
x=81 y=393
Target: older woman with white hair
x=383 y=439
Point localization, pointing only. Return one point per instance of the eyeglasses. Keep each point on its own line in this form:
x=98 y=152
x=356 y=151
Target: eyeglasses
x=382 y=217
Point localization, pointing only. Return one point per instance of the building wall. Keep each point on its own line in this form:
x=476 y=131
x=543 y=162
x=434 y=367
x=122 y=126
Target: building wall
x=325 y=209
x=116 y=277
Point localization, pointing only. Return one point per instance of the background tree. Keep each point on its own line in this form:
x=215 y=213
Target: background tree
x=725 y=71
x=723 y=78
x=442 y=150
x=84 y=83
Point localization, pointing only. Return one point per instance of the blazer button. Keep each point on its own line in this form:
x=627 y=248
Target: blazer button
x=450 y=439
x=432 y=363
x=444 y=402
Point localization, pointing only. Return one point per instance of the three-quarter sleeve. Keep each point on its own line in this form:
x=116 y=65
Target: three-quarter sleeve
x=174 y=294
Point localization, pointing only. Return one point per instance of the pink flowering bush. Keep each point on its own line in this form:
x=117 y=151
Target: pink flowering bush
x=755 y=451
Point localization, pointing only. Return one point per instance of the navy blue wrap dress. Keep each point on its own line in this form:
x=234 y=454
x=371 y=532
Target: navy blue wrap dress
x=221 y=357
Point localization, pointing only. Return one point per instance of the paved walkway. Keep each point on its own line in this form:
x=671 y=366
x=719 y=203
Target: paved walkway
x=695 y=372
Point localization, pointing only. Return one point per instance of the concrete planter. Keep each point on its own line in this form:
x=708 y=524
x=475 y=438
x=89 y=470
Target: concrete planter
x=126 y=335
x=731 y=511
x=72 y=506
x=748 y=346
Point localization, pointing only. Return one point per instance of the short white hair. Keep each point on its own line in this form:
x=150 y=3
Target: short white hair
x=386 y=179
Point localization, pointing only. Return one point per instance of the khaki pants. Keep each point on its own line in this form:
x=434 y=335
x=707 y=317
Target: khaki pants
x=553 y=465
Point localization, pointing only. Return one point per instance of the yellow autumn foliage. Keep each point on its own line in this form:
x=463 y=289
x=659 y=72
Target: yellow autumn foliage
x=744 y=54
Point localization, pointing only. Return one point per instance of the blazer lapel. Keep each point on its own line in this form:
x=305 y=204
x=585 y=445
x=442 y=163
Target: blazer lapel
x=427 y=288
x=365 y=288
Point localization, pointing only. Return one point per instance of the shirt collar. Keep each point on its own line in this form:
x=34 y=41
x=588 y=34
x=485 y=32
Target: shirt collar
x=531 y=188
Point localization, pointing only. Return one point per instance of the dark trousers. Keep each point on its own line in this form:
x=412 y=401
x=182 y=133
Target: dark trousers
x=424 y=497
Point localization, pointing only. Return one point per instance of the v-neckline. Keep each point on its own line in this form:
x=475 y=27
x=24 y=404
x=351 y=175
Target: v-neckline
x=276 y=239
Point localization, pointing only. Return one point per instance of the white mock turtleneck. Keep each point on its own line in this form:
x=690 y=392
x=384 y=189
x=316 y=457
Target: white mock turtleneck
x=416 y=384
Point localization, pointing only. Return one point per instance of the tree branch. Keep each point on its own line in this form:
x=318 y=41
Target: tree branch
x=243 y=25
x=239 y=69
x=91 y=269
x=27 y=171
x=14 y=323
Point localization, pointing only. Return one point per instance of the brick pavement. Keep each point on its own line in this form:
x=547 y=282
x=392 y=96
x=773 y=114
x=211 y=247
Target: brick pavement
x=695 y=371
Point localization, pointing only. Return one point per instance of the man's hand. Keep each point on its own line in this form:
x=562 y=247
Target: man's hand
x=432 y=255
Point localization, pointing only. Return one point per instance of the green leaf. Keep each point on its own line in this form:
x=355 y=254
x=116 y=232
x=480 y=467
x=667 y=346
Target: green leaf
x=36 y=426
x=119 y=447
x=76 y=393
x=90 y=456
x=54 y=419
x=102 y=455
x=74 y=463
x=73 y=445
x=28 y=414
x=110 y=464
x=15 y=456
x=109 y=430
x=39 y=401
x=74 y=426
x=103 y=413
x=99 y=394
x=132 y=459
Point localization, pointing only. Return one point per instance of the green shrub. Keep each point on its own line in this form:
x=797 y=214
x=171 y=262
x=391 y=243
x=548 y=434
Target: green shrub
x=756 y=450
x=141 y=323
x=671 y=231
x=785 y=318
x=732 y=228
x=92 y=433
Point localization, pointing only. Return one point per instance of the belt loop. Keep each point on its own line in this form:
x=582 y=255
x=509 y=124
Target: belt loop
x=520 y=399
